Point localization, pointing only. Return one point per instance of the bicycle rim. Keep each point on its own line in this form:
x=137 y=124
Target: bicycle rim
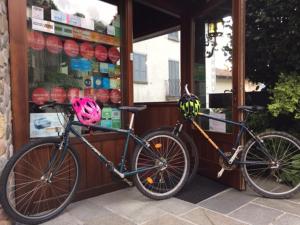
x=169 y=178
x=280 y=176
x=34 y=190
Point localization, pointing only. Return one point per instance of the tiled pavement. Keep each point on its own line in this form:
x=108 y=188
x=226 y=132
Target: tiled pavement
x=230 y=207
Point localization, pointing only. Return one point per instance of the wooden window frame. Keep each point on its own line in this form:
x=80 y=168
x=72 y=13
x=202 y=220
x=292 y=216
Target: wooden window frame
x=19 y=66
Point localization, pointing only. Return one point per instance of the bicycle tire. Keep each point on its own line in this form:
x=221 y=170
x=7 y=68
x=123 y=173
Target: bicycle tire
x=171 y=150
x=41 y=204
x=277 y=176
x=191 y=147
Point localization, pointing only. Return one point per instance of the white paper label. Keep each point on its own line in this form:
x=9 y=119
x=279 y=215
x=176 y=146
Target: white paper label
x=37 y=12
x=215 y=125
x=58 y=16
x=43 y=25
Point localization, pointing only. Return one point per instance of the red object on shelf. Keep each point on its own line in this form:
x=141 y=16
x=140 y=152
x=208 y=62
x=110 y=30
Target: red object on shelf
x=54 y=44
x=58 y=94
x=36 y=40
x=102 y=95
x=86 y=50
x=88 y=92
x=113 y=54
x=73 y=93
x=101 y=53
x=40 y=95
x=115 y=96
x=71 y=48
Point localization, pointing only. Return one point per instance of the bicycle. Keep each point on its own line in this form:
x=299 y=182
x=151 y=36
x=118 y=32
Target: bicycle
x=190 y=144
x=270 y=161
x=40 y=180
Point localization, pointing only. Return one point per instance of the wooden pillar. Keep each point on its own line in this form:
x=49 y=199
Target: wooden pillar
x=127 y=57
x=238 y=58
x=238 y=67
x=187 y=50
x=19 y=71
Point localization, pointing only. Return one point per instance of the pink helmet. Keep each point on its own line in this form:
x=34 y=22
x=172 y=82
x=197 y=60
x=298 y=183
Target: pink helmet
x=87 y=110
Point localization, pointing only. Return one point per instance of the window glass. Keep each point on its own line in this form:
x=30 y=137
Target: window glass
x=73 y=51
x=213 y=67
x=139 y=68
x=156 y=69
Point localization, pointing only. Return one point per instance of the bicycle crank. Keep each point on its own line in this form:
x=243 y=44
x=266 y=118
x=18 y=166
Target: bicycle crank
x=225 y=165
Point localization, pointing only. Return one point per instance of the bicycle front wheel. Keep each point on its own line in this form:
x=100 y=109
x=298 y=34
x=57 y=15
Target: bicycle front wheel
x=190 y=146
x=273 y=168
x=36 y=184
x=163 y=167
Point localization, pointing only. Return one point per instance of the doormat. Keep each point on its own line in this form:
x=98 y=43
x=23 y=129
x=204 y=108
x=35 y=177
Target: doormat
x=199 y=189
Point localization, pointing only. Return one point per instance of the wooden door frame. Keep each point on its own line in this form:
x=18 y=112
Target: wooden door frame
x=238 y=70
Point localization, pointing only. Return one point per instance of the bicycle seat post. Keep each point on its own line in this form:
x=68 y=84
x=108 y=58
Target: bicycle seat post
x=131 y=121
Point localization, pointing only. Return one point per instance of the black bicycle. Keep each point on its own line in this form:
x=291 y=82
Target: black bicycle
x=40 y=180
x=270 y=161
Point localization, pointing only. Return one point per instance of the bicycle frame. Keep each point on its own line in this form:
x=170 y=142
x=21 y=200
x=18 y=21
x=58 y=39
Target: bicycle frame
x=129 y=135
x=242 y=130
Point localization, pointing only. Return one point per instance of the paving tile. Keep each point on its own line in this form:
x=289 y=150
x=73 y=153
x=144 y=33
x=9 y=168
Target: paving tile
x=287 y=219
x=137 y=211
x=129 y=203
x=64 y=219
x=167 y=219
x=227 y=201
x=175 y=206
x=119 y=196
x=85 y=210
x=296 y=198
x=109 y=219
x=280 y=204
x=256 y=214
x=203 y=216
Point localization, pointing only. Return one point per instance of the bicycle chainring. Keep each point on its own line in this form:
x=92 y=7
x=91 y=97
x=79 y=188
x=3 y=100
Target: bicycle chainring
x=224 y=164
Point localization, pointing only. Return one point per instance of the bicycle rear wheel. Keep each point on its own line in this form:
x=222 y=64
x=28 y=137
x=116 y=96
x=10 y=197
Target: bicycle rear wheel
x=275 y=171
x=35 y=186
x=169 y=155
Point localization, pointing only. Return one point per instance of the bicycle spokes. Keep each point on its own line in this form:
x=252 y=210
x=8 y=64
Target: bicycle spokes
x=281 y=173
x=36 y=190
x=170 y=162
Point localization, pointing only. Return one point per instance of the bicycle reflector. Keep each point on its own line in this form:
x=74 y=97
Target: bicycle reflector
x=189 y=105
x=158 y=145
x=149 y=180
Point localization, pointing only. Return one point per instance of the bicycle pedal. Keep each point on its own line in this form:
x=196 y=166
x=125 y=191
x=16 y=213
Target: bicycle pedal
x=130 y=184
x=220 y=173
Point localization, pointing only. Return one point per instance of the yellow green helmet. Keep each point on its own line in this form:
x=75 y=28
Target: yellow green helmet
x=189 y=105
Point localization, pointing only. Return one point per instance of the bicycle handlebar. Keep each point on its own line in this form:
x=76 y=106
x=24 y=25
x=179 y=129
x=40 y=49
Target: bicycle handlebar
x=53 y=104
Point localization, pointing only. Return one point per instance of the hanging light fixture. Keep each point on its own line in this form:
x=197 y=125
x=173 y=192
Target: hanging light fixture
x=215 y=29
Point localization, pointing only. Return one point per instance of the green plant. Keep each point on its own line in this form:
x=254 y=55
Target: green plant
x=286 y=96
x=292 y=174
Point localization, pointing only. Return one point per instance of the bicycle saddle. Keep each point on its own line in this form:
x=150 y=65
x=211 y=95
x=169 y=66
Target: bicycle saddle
x=254 y=108
x=133 y=109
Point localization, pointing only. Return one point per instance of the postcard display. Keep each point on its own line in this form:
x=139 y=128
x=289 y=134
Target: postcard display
x=71 y=56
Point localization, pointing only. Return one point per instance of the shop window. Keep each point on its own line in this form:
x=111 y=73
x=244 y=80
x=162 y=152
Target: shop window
x=139 y=68
x=73 y=51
